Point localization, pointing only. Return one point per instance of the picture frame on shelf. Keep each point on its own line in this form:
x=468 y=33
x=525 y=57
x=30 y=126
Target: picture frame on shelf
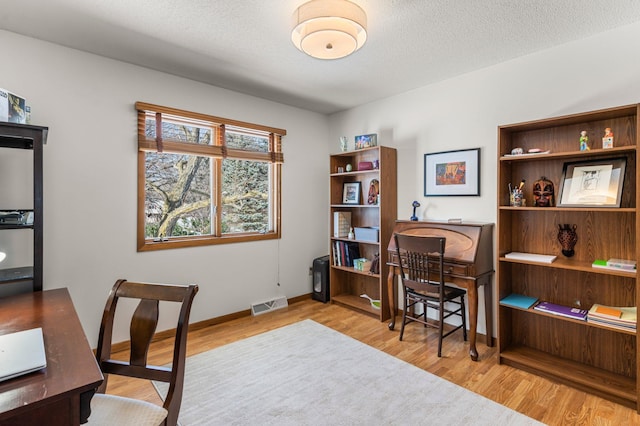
x=592 y=183
x=366 y=141
x=352 y=193
x=451 y=173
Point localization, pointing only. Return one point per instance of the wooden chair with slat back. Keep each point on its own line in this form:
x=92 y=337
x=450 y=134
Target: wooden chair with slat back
x=115 y=410
x=422 y=273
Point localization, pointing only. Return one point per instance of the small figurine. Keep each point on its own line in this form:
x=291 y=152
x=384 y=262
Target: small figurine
x=351 y=235
x=374 y=190
x=584 y=141
x=415 y=204
x=607 y=139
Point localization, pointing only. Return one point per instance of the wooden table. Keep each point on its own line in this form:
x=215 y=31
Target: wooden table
x=61 y=393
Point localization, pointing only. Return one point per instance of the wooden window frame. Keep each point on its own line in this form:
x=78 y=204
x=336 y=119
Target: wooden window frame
x=217 y=151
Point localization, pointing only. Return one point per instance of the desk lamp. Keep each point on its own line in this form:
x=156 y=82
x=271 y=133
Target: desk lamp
x=415 y=204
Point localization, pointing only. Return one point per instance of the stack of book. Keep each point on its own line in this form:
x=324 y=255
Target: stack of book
x=615 y=264
x=562 y=310
x=623 y=318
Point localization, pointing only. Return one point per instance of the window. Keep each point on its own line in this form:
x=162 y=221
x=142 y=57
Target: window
x=205 y=180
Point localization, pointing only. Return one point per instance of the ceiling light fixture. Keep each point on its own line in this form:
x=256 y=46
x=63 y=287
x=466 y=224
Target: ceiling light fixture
x=2 y=256
x=329 y=29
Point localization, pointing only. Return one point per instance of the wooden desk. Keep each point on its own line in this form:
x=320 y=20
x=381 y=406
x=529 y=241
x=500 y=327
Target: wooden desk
x=61 y=393
x=468 y=262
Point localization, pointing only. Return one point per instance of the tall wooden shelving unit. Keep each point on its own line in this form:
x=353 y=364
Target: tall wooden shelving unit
x=33 y=138
x=596 y=359
x=346 y=283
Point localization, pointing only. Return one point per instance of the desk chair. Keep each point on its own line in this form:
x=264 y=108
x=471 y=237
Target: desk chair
x=115 y=410
x=423 y=284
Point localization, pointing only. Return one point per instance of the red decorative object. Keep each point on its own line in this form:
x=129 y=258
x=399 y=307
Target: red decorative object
x=365 y=165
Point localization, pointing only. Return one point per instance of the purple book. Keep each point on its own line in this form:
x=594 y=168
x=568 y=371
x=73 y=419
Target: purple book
x=564 y=311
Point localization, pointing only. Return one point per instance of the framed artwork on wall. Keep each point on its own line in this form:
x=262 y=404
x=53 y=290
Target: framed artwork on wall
x=592 y=183
x=452 y=173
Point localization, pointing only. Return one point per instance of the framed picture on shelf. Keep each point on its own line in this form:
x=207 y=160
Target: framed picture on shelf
x=351 y=193
x=594 y=183
x=452 y=173
x=366 y=141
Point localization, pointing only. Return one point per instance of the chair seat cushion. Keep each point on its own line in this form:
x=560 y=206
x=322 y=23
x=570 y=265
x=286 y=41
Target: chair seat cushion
x=116 y=410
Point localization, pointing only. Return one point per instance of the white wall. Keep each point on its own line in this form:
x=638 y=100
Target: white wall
x=464 y=112
x=90 y=159
x=90 y=172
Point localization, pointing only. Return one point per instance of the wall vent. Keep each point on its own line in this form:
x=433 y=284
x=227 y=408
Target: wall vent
x=270 y=305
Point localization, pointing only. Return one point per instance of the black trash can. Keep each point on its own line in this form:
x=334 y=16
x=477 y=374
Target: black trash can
x=321 y=279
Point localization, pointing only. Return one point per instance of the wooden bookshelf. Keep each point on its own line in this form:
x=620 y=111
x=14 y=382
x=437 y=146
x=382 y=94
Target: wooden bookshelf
x=346 y=283
x=594 y=358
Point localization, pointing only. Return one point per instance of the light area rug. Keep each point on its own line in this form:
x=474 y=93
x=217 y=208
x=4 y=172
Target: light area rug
x=309 y=374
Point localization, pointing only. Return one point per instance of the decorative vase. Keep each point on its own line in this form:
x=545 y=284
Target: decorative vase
x=568 y=238
x=343 y=143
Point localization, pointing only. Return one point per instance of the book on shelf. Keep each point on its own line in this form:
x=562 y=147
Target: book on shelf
x=605 y=264
x=619 y=316
x=345 y=252
x=519 y=301
x=605 y=311
x=562 y=310
x=612 y=324
x=627 y=265
x=531 y=257
x=341 y=224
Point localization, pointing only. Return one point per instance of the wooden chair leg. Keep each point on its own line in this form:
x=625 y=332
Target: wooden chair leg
x=404 y=315
x=464 y=319
x=440 y=330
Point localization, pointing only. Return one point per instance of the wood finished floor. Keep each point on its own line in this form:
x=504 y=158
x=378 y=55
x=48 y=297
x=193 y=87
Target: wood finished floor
x=539 y=398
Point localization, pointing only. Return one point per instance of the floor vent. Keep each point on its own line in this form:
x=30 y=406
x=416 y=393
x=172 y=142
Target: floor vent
x=270 y=305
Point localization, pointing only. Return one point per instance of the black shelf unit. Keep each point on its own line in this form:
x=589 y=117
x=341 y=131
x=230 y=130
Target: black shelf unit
x=24 y=136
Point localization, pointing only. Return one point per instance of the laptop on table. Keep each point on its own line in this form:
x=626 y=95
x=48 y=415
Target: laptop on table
x=21 y=353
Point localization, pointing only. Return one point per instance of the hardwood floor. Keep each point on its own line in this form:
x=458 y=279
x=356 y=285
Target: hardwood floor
x=539 y=398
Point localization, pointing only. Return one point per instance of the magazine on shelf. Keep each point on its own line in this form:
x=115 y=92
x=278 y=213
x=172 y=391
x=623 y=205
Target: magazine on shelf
x=562 y=310
x=519 y=301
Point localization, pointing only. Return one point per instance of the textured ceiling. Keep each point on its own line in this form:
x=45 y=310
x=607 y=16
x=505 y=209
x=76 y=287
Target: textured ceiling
x=245 y=45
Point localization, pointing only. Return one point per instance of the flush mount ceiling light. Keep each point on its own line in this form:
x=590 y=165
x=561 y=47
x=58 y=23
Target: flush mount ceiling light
x=329 y=29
